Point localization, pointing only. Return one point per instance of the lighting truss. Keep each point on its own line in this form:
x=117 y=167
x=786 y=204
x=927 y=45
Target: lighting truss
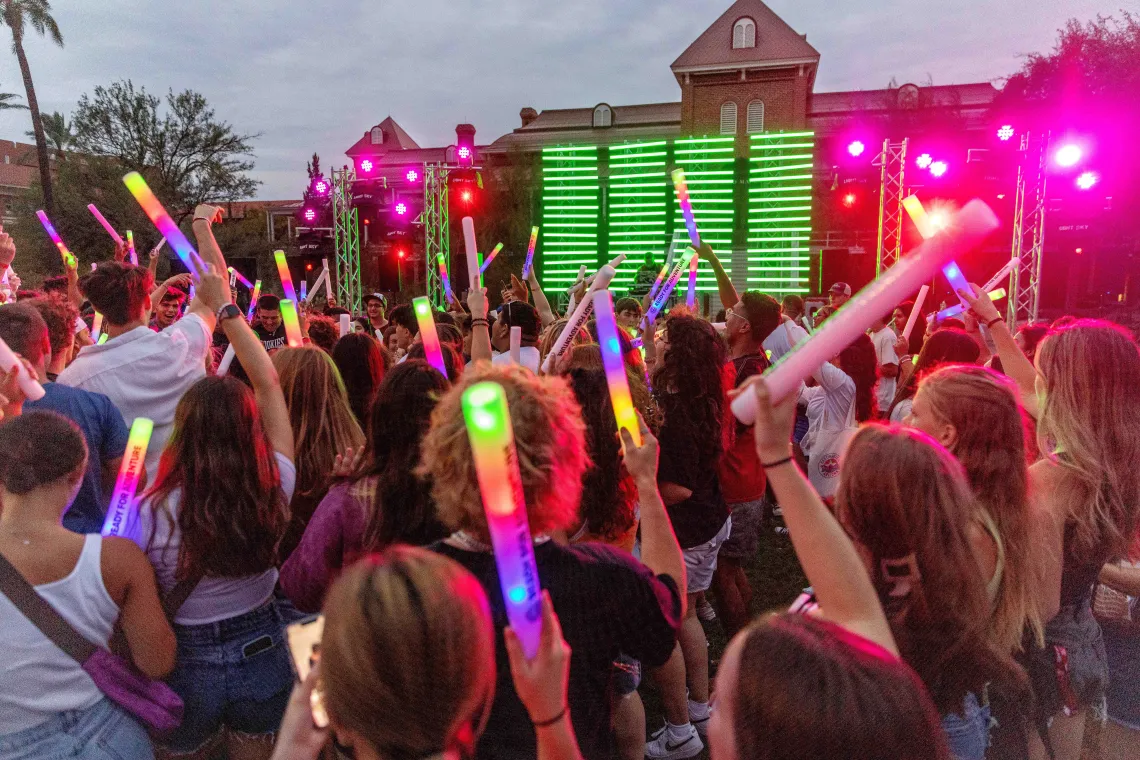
x=346 y=238
x=1028 y=230
x=892 y=190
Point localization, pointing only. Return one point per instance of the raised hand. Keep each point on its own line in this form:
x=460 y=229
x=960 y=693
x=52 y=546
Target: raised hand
x=541 y=681
x=477 y=302
x=7 y=250
x=980 y=304
x=212 y=214
x=213 y=288
x=519 y=289
x=346 y=464
x=641 y=461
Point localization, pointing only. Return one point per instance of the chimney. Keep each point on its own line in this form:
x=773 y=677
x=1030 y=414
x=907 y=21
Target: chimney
x=528 y=115
x=465 y=130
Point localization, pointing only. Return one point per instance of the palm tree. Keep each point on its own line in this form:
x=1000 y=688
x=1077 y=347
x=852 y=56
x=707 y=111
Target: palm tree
x=57 y=131
x=17 y=14
x=6 y=103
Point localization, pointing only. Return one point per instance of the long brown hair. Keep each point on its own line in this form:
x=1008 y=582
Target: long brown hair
x=907 y=504
x=990 y=433
x=231 y=512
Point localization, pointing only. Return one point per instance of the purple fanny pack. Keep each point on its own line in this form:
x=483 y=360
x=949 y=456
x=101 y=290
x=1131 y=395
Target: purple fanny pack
x=153 y=702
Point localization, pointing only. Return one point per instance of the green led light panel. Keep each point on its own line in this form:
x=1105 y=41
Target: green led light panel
x=779 y=211
x=709 y=170
x=570 y=203
x=638 y=206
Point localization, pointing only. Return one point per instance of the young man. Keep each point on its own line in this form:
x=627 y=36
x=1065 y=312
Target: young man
x=374 y=305
x=628 y=312
x=24 y=329
x=839 y=294
x=407 y=327
x=168 y=310
x=269 y=326
x=885 y=339
x=516 y=314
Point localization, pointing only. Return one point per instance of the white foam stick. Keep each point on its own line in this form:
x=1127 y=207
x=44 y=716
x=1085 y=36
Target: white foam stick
x=914 y=312
x=580 y=279
x=719 y=326
x=472 y=252
x=516 y=345
x=227 y=360
x=328 y=281
x=807 y=324
x=380 y=336
x=1000 y=275
x=345 y=324
x=965 y=231
x=615 y=263
x=316 y=286
x=28 y=384
x=578 y=317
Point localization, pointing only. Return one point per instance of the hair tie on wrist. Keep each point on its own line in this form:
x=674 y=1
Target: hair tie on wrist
x=994 y=321
x=552 y=721
x=777 y=463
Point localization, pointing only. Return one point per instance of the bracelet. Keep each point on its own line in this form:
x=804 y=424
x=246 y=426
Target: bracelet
x=994 y=321
x=202 y=219
x=480 y=321
x=777 y=463
x=552 y=721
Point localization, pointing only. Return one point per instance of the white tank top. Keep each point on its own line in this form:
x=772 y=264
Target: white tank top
x=37 y=680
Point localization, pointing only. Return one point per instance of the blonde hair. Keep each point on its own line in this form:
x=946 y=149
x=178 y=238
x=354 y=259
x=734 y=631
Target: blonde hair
x=408 y=654
x=553 y=330
x=1091 y=412
x=990 y=443
x=322 y=420
x=549 y=442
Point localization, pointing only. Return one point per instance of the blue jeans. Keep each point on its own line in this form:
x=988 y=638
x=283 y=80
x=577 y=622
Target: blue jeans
x=232 y=674
x=101 y=732
x=968 y=734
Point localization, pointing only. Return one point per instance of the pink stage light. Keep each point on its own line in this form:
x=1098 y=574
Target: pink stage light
x=366 y=165
x=923 y=161
x=1087 y=180
x=938 y=168
x=412 y=175
x=465 y=153
x=321 y=187
x=401 y=208
x=856 y=148
x=310 y=215
x=1005 y=133
x=1068 y=155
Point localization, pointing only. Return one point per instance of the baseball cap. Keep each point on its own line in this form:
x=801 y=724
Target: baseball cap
x=841 y=288
x=376 y=297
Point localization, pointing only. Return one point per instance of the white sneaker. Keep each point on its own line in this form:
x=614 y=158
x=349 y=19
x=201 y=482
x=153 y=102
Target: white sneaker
x=701 y=724
x=705 y=611
x=662 y=747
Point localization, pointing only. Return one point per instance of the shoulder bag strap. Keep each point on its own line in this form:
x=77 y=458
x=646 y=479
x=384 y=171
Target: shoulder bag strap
x=173 y=601
x=42 y=615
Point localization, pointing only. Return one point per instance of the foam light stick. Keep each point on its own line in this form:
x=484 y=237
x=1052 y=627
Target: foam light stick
x=316 y=288
x=122 y=515
x=158 y=216
x=666 y=290
x=227 y=359
x=967 y=229
x=253 y=301
x=328 y=280
x=953 y=274
x=1000 y=274
x=69 y=259
x=285 y=276
x=241 y=278
x=31 y=387
x=928 y=229
x=305 y=290
x=233 y=279
x=345 y=324
x=614 y=363
x=106 y=225
x=292 y=324
x=102 y=339
x=516 y=345
x=578 y=317
x=691 y=296
x=957 y=309
x=912 y=320
x=96 y=327
x=487 y=261
x=428 y=335
x=443 y=275
x=496 y=465
x=529 y=263
x=681 y=187
x=473 y=277
x=131 y=248
x=615 y=262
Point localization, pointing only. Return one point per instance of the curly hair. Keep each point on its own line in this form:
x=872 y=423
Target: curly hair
x=860 y=362
x=323 y=332
x=688 y=384
x=550 y=444
x=59 y=314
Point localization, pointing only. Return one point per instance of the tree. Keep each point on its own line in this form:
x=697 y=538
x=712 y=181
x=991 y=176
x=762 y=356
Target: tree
x=6 y=103
x=16 y=15
x=59 y=133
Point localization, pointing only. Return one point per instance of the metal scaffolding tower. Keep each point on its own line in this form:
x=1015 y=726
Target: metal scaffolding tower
x=1028 y=230
x=892 y=190
x=437 y=237
x=346 y=233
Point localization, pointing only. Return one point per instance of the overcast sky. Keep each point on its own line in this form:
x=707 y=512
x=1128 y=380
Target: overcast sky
x=316 y=75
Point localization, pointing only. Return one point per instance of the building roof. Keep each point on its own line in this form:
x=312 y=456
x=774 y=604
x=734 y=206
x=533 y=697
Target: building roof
x=973 y=95
x=776 y=42
x=395 y=138
x=556 y=125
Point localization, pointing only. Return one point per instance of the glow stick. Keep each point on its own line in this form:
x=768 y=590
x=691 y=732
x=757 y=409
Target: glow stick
x=615 y=262
x=253 y=301
x=487 y=261
x=529 y=263
x=807 y=324
x=691 y=296
x=479 y=260
x=516 y=345
x=472 y=253
x=912 y=320
x=28 y=384
x=233 y=279
x=682 y=189
x=316 y=287
x=428 y=336
x=914 y=209
x=292 y=323
x=102 y=339
x=285 y=276
x=305 y=290
x=496 y=465
x=122 y=515
x=131 y=248
x=345 y=325
x=379 y=336
x=158 y=216
x=443 y=275
x=968 y=228
x=241 y=278
x=957 y=309
x=614 y=362
x=666 y=291
x=328 y=280
x=578 y=317
x=96 y=327
x=1001 y=273
x=958 y=282
x=69 y=259
x=227 y=359
x=657 y=283
x=106 y=225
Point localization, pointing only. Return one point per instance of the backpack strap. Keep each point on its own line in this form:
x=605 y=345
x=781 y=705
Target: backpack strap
x=173 y=601
x=41 y=614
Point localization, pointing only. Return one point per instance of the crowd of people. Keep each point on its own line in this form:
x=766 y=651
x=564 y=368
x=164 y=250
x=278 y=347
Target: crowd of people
x=963 y=502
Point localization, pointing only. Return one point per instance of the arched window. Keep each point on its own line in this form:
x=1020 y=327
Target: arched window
x=728 y=118
x=377 y=137
x=755 y=117
x=744 y=34
x=603 y=116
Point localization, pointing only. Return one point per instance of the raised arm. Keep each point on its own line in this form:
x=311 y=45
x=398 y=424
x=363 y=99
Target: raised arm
x=131 y=580
x=1013 y=362
x=545 y=313
x=480 y=328
x=182 y=280
x=724 y=286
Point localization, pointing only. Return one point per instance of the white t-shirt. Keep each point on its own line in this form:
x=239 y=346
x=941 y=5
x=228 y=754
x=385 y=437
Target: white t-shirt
x=213 y=599
x=780 y=342
x=832 y=398
x=528 y=357
x=884 y=341
x=145 y=373
x=902 y=411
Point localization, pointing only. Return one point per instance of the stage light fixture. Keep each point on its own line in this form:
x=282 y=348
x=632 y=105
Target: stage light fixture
x=310 y=215
x=366 y=165
x=938 y=168
x=466 y=196
x=464 y=153
x=1087 y=180
x=849 y=200
x=923 y=161
x=856 y=148
x=320 y=186
x=1005 y=133
x=401 y=208
x=412 y=175
x=1068 y=155
x=401 y=253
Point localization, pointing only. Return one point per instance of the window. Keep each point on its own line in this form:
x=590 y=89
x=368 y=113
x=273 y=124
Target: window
x=603 y=116
x=755 y=117
x=377 y=136
x=728 y=118
x=744 y=34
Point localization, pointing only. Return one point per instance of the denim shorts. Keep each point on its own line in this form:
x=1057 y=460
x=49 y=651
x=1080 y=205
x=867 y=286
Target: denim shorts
x=100 y=732
x=233 y=674
x=626 y=675
x=968 y=734
x=1122 y=645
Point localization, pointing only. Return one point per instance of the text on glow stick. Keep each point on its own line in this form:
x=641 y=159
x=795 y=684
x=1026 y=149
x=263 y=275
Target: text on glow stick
x=285 y=276
x=915 y=311
x=967 y=229
x=253 y=301
x=529 y=263
x=491 y=435
x=428 y=335
x=106 y=225
x=662 y=296
x=614 y=363
x=241 y=278
x=681 y=187
x=487 y=261
x=443 y=275
x=578 y=317
x=68 y=258
x=1003 y=272
x=472 y=251
x=28 y=384
x=292 y=323
x=122 y=515
x=158 y=216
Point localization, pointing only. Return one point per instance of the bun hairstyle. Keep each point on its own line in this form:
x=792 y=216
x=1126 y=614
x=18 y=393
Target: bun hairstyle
x=39 y=448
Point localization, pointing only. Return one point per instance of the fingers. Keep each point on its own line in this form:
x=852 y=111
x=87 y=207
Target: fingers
x=551 y=626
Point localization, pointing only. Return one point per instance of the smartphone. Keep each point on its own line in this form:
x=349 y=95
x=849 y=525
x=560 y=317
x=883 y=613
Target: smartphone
x=304 y=638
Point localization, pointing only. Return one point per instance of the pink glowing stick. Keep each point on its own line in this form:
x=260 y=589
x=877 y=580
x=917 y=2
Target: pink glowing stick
x=106 y=225
x=285 y=276
x=28 y=384
x=122 y=515
x=253 y=301
x=131 y=248
x=68 y=258
x=614 y=362
x=912 y=320
x=496 y=465
x=428 y=336
x=443 y=276
x=691 y=296
x=293 y=335
x=967 y=229
x=578 y=317
x=529 y=263
x=666 y=291
x=487 y=261
x=241 y=278
x=158 y=216
x=682 y=189
x=473 y=276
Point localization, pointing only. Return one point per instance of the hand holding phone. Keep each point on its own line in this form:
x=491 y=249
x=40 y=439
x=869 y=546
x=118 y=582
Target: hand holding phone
x=304 y=639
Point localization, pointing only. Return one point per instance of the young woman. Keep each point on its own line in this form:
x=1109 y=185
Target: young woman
x=1027 y=338
x=948 y=346
x=214 y=516
x=323 y=426
x=49 y=707
x=385 y=502
x=360 y=360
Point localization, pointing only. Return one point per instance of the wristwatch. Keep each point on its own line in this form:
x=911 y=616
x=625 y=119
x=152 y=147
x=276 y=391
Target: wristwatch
x=229 y=311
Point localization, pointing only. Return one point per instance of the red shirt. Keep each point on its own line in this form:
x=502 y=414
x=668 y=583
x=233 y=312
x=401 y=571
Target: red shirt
x=742 y=478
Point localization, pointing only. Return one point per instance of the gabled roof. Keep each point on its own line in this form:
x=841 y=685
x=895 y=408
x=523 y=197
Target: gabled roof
x=395 y=138
x=776 y=42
